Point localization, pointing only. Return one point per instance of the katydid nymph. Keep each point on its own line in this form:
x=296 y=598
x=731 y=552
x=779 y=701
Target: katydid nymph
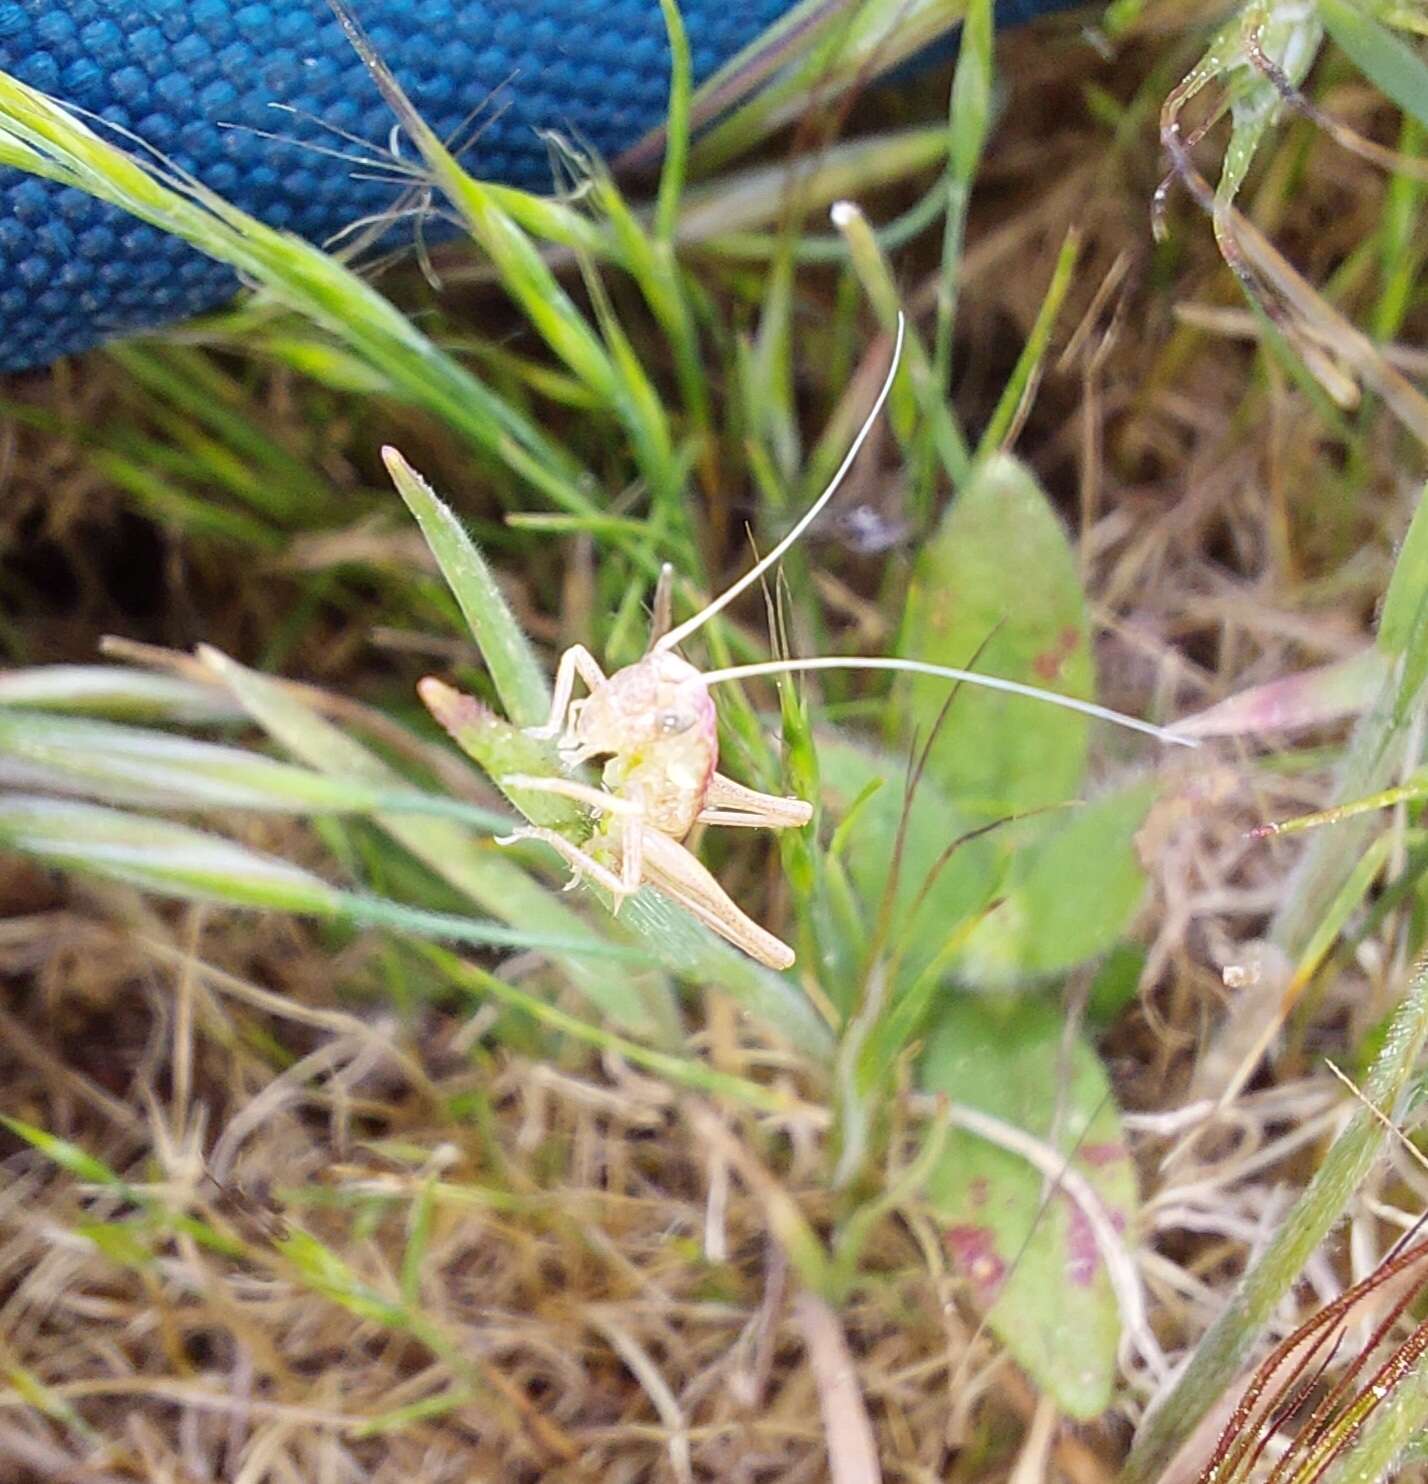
x=655 y=724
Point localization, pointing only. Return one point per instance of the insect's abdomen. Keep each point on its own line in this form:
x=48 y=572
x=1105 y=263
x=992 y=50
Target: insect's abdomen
x=669 y=778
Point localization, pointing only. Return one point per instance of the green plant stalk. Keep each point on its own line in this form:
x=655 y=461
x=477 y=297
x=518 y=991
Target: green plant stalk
x=1375 y=750
x=968 y=122
x=1222 y=1353
x=908 y=1185
x=802 y=856
x=1401 y=240
x=877 y=280
x=653 y=264
x=676 y=146
x=1021 y=383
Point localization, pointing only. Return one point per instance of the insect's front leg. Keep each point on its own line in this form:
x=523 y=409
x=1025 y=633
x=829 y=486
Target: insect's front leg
x=628 y=812
x=669 y=867
x=730 y=803
x=577 y=660
x=580 y=861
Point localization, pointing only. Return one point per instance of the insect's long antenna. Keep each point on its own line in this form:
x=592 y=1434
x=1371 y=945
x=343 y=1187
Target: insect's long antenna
x=683 y=631
x=947 y=672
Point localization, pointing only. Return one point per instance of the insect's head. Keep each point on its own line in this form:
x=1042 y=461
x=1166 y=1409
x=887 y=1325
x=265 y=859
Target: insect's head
x=659 y=699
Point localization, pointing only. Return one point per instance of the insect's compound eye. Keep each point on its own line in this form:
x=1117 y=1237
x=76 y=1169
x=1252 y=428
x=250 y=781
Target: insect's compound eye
x=671 y=723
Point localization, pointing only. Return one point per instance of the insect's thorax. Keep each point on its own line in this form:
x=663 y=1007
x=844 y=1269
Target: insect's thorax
x=656 y=720
x=669 y=779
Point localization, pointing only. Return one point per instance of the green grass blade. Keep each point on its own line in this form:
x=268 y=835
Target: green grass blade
x=516 y=672
x=68 y=1156
x=115 y=690
x=676 y=148
x=176 y=860
x=1387 y=61
x=682 y=1071
x=526 y=276
x=1401 y=1419
x=968 y=122
x=131 y=765
x=160 y=855
x=1021 y=384
x=878 y=283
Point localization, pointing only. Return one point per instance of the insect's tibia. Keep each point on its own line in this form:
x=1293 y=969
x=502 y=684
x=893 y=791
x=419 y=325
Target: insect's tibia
x=948 y=672
x=690 y=625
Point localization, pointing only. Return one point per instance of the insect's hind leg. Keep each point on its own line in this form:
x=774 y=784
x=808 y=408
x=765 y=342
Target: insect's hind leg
x=729 y=803
x=599 y=799
x=671 y=869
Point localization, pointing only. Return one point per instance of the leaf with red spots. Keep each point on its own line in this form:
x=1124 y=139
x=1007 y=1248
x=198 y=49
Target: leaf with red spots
x=1025 y=1250
x=997 y=588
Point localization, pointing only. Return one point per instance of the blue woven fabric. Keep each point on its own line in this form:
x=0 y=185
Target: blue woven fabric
x=176 y=72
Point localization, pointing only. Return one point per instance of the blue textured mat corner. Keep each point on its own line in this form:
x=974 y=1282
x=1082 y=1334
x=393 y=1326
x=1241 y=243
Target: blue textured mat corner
x=175 y=72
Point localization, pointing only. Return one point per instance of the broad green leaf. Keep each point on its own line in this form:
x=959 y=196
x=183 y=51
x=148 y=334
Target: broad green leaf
x=996 y=588
x=1026 y=1252
x=1067 y=897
